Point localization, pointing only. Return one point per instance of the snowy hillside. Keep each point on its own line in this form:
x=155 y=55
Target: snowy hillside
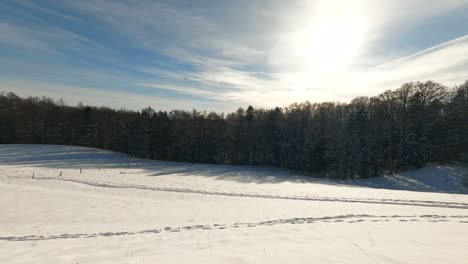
x=65 y=204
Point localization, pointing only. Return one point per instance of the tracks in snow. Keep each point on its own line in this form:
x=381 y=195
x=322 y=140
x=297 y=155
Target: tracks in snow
x=423 y=203
x=350 y=218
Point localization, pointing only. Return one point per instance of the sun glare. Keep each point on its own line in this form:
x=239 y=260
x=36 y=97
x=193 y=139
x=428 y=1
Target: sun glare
x=329 y=43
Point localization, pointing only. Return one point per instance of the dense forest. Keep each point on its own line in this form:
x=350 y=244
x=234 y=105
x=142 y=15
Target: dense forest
x=416 y=124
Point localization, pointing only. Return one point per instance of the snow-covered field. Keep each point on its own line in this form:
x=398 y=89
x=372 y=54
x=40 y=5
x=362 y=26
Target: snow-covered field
x=73 y=205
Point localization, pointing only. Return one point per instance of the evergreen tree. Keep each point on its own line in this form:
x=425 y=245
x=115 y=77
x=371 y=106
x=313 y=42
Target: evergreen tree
x=418 y=123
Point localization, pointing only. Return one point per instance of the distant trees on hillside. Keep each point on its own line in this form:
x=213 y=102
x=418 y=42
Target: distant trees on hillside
x=406 y=128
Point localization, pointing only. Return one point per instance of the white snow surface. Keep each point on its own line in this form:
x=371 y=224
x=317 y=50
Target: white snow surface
x=62 y=204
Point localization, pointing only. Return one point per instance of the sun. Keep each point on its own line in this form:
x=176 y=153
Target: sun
x=329 y=43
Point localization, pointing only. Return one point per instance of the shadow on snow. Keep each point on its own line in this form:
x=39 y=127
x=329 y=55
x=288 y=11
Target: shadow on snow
x=446 y=179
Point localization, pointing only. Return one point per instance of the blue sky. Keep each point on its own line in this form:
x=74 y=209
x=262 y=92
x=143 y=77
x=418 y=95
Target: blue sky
x=220 y=55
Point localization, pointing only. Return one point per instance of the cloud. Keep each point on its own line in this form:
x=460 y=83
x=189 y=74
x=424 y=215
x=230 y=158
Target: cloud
x=446 y=48
x=48 y=11
x=181 y=89
x=446 y=62
x=108 y=98
x=15 y=36
x=41 y=38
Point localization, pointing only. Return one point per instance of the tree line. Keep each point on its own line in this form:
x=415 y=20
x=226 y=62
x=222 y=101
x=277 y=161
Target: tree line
x=418 y=123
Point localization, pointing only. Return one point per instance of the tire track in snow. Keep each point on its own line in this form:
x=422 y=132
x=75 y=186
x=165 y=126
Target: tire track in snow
x=350 y=218
x=423 y=203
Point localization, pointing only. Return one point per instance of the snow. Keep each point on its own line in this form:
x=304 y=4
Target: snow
x=125 y=210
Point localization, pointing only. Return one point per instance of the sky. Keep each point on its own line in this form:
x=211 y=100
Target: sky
x=220 y=55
